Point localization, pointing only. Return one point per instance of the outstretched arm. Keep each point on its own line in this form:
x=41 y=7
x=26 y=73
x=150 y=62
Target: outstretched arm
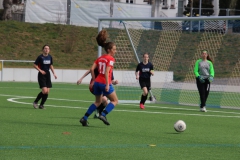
x=85 y=74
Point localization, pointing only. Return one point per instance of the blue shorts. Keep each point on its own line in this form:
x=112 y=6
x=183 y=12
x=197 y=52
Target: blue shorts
x=99 y=88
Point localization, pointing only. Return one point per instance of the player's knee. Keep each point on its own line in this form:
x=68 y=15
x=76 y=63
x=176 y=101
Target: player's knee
x=114 y=102
x=45 y=90
x=104 y=99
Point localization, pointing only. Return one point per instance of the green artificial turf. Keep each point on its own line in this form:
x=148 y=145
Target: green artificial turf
x=55 y=133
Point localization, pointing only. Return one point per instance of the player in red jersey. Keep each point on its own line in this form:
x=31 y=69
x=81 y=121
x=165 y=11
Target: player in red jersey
x=102 y=84
x=104 y=98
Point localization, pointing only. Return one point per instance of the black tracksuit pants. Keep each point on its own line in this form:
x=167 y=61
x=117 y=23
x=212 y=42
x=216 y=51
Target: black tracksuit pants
x=203 y=89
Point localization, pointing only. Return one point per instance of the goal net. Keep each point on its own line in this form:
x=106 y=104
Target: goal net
x=174 y=45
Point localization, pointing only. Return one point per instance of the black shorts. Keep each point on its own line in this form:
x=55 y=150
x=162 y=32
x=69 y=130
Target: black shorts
x=44 y=80
x=145 y=82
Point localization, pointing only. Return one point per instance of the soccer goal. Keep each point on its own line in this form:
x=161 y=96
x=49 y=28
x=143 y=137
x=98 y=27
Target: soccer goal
x=174 y=45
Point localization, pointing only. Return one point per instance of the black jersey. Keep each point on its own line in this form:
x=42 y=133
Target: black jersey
x=144 y=69
x=44 y=62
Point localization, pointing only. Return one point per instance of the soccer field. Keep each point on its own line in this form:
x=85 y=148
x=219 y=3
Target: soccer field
x=55 y=133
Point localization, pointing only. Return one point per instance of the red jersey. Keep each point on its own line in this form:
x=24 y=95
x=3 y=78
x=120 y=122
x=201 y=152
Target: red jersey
x=102 y=63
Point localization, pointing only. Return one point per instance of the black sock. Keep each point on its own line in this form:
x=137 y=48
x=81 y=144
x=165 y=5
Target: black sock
x=105 y=112
x=39 y=96
x=44 y=98
x=101 y=108
x=143 y=99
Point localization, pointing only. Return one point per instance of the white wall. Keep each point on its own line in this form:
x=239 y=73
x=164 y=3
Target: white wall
x=159 y=80
x=71 y=76
x=83 y=13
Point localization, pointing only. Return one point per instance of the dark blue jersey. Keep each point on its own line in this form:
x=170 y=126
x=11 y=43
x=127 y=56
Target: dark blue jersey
x=44 y=62
x=144 y=69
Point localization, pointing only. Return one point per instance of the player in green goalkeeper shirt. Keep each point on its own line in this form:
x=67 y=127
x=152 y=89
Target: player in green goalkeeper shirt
x=204 y=72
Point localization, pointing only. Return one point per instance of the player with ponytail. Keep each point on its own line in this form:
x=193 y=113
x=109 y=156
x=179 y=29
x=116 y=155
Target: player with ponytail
x=204 y=72
x=102 y=84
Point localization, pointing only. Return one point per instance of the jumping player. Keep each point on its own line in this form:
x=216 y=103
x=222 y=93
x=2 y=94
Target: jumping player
x=143 y=73
x=43 y=63
x=102 y=84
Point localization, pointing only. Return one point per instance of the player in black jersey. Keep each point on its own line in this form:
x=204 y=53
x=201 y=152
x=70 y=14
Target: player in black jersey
x=104 y=98
x=143 y=73
x=43 y=63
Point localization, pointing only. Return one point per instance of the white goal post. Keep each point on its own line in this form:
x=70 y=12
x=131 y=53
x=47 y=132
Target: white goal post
x=174 y=45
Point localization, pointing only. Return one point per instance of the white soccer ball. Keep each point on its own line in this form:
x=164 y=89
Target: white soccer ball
x=180 y=126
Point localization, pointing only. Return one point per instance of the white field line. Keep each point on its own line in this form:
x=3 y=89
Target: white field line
x=16 y=98
x=40 y=89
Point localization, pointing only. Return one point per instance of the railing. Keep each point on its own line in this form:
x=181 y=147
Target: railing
x=2 y=64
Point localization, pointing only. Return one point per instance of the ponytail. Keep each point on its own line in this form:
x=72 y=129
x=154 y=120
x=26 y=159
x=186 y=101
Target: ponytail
x=101 y=40
x=210 y=59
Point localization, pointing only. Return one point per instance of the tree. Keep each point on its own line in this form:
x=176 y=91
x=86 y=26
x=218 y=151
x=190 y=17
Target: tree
x=207 y=8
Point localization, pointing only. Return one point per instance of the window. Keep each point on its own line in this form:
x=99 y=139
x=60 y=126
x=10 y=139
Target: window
x=129 y=1
x=165 y=5
x=172 y=6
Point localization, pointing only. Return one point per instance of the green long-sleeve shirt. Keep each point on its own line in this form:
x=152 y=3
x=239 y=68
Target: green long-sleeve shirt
x=203 y=68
